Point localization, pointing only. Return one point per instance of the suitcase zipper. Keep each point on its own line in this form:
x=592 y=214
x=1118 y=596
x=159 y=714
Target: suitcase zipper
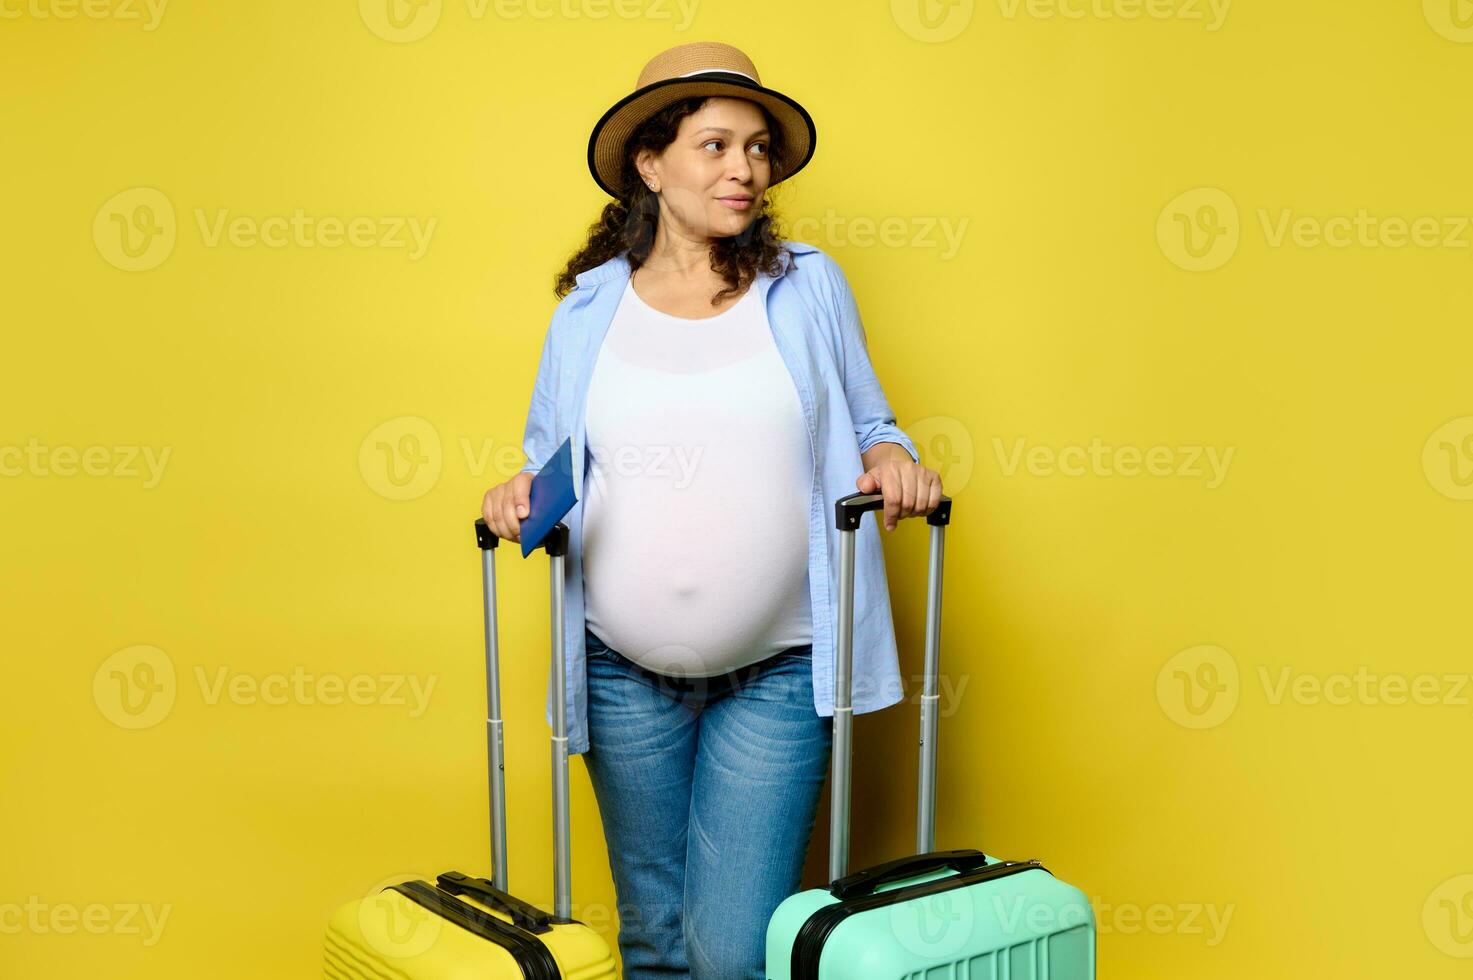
x=816 y=929
x=533 y=958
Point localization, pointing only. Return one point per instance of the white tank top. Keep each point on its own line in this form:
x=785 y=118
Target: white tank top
x=695 y=522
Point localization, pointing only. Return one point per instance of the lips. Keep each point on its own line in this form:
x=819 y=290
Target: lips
x=736 y=202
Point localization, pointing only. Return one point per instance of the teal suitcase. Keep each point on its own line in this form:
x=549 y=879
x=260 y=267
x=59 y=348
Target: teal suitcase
x=937 y=915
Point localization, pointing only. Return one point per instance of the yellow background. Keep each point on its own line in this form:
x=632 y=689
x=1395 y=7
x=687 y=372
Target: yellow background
x=1332 y=837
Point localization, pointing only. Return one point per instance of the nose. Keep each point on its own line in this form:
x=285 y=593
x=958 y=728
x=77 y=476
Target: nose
x=740 y=169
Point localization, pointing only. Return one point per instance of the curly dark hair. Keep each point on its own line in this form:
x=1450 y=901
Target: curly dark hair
x=629 y=221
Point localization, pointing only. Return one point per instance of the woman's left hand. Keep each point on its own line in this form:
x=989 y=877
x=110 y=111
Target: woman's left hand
x=910 y=490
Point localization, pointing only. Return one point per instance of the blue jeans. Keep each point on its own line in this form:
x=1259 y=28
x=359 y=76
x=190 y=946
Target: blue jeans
x=707 y=788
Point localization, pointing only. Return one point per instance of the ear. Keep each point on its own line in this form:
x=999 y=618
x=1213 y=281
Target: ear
x=644 y=165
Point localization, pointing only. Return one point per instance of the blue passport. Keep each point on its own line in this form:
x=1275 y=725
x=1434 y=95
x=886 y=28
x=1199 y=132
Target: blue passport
x=549 y=499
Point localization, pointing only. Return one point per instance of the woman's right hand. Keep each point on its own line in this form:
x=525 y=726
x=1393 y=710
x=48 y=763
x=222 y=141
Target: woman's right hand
x=505 y=505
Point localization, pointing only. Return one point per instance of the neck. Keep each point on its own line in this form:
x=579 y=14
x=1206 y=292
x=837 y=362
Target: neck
x=679 y=254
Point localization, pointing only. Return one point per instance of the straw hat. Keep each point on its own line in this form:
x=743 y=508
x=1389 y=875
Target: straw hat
x=697 y=68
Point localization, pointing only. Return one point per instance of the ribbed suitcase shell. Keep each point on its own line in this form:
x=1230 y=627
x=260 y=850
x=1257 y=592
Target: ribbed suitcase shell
x=387 y=936
x=1025 y=926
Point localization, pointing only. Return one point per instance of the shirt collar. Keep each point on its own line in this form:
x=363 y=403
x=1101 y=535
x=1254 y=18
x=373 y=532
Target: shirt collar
x=618 y=266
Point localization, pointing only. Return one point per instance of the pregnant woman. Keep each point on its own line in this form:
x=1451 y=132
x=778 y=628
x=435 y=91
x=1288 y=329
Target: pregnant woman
x=717 y=379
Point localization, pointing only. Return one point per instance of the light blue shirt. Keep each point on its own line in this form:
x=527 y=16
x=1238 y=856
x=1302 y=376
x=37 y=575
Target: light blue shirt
x=816 y=326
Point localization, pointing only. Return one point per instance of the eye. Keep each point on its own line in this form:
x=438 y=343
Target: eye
x=760 y=143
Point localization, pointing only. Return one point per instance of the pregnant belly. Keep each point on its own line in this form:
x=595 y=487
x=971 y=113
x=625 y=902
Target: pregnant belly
x=697 y=598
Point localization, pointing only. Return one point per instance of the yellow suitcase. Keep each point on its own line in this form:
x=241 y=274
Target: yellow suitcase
x=458 y=926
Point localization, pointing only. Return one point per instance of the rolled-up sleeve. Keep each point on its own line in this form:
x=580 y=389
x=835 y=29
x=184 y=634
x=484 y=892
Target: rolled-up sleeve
x=540 y=431
x=874 y=422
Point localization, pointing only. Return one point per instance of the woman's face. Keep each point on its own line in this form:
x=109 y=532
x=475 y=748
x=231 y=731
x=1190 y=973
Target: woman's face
x=712 y=177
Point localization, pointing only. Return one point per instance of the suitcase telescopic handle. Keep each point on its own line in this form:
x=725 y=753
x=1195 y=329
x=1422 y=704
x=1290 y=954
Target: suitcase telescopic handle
x=556 y=546
x=848 y=511
x=866 y=881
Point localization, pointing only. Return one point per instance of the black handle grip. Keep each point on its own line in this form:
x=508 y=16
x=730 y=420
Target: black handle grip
x=523 y=915
x=866 y=881
x=556 y=541
x=849 y=509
